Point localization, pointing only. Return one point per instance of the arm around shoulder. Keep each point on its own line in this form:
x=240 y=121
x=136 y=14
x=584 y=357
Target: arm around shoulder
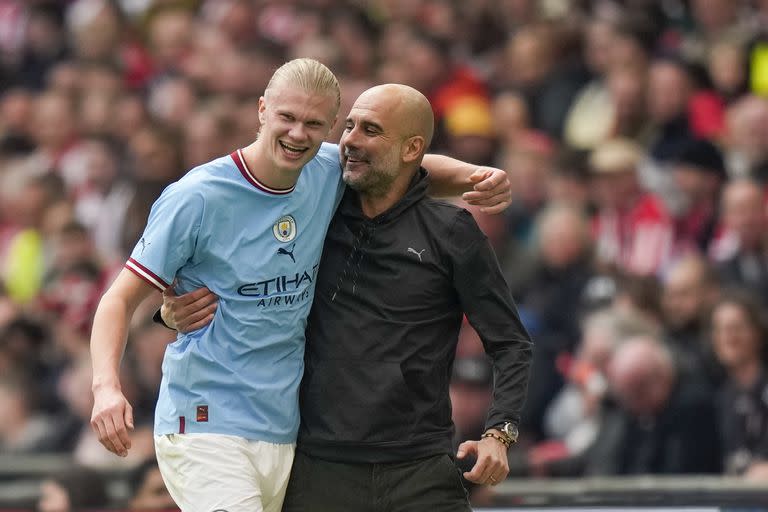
x=487 y=187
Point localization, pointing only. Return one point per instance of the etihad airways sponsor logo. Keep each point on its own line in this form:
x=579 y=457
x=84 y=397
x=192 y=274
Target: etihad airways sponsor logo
x=281 y=290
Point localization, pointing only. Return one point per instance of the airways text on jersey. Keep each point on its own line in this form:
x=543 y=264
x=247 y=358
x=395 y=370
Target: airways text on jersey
x=282 y=290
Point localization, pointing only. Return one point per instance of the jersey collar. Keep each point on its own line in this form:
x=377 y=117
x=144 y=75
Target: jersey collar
x=237 y=156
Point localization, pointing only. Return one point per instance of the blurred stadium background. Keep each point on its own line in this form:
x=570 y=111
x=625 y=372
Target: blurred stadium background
x=635 y=133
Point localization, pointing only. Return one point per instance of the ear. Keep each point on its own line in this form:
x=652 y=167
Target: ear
x=413 y=149
x=262 y=110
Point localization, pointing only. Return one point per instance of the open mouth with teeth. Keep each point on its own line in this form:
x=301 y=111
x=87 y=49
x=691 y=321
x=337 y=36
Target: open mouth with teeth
x=292 y=151
x=356 y=159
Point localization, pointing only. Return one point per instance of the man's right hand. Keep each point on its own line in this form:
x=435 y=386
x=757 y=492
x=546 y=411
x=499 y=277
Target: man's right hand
x=188 y=312
x=111 y=419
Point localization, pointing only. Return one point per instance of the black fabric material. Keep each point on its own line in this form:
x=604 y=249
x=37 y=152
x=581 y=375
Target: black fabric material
x=432 y=483
x=744 y=424
x=383 y=330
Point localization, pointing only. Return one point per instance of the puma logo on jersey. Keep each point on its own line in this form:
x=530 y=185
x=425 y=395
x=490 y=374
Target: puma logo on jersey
x=417 y=253
x=283 y=250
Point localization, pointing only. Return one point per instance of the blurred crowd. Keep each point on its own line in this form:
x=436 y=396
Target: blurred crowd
x=634 y=132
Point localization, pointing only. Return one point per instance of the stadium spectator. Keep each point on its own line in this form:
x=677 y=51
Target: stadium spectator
x=638 y=295
x=75 y=489
x=727 y=69
x=746 y=136
x=431 y=69
x=551 y=313
x=535 y=68
x=633 y=229
x=667 y=422
x=698 y=173
x=689 y=291
x=23 y=429
x=744 y=222
x=738 y=338
x=148 y=490
x=531 y=160
x=575 y=417
x=670 y=87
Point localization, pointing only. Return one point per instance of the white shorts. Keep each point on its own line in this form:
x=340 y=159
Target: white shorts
x=210 y=472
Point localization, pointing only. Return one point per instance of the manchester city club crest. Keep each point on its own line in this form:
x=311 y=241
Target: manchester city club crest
x=285 y=228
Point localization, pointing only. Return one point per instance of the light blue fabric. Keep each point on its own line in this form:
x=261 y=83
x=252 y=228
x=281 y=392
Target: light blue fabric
x=259 y=252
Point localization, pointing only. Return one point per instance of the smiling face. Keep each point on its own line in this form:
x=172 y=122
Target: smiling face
x=294 y=123
x=370 y=148
x=735 y=338
x=386 y=131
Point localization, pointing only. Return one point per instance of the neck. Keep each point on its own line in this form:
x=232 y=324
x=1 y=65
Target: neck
x=374 y=204
x=258 y=164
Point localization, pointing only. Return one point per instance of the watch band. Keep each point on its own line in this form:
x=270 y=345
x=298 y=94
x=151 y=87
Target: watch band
x=499 y=438
x=507 y=430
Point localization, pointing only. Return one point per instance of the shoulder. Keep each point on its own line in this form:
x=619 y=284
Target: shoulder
x=450 y=220
x=200 y=182
x=328 y=156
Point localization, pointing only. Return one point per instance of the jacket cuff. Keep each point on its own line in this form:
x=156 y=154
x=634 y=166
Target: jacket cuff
x=158 y=319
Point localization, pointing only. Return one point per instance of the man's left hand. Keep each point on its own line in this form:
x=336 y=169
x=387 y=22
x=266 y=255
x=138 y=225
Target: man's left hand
x=492 y=465
x=492 y=190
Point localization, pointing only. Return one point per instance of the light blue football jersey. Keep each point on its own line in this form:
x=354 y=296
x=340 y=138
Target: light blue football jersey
x=257 y=249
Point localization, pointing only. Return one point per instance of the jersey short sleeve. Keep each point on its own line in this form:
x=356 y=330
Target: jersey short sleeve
x=170 y=237
x=329 y=156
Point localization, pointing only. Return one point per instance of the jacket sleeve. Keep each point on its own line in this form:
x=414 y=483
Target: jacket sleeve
x=490 y=309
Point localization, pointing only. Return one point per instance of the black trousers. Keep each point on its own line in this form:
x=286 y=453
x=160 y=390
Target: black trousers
x=433 y=484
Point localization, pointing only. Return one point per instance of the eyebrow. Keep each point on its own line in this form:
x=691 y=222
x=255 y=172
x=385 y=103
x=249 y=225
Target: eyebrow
x=367 y=124
x=290 y=113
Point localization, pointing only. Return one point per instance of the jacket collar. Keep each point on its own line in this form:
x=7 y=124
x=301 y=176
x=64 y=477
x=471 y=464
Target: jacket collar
x=417 y=190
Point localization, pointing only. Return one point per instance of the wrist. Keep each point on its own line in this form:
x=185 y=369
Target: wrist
x=160 y=318
x=497 y=437
x=105 y=383
x=165 y=316
x=507 y=431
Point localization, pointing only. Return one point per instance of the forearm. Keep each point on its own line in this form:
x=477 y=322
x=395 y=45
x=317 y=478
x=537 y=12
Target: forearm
x=108 y=340
x=488 y=305
x=448 y=176
x=510 y=349
x=110 y=326
x=510 y=376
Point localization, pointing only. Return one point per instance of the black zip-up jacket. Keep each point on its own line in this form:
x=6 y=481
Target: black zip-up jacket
x=384 y=326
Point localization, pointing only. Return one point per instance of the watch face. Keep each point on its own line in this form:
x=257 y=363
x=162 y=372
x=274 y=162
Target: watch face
x=510 y=430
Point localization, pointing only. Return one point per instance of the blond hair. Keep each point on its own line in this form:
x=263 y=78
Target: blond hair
x=308 y=74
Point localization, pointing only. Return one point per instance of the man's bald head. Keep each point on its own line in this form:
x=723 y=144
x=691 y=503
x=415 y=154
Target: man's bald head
x=408 y=106
x=385 y=137
x=689 y=290
x=744 y=211
x=641 y=375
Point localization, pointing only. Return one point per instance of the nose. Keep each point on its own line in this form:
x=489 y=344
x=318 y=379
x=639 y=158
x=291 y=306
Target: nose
x=349 y=138
x=297 y=132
